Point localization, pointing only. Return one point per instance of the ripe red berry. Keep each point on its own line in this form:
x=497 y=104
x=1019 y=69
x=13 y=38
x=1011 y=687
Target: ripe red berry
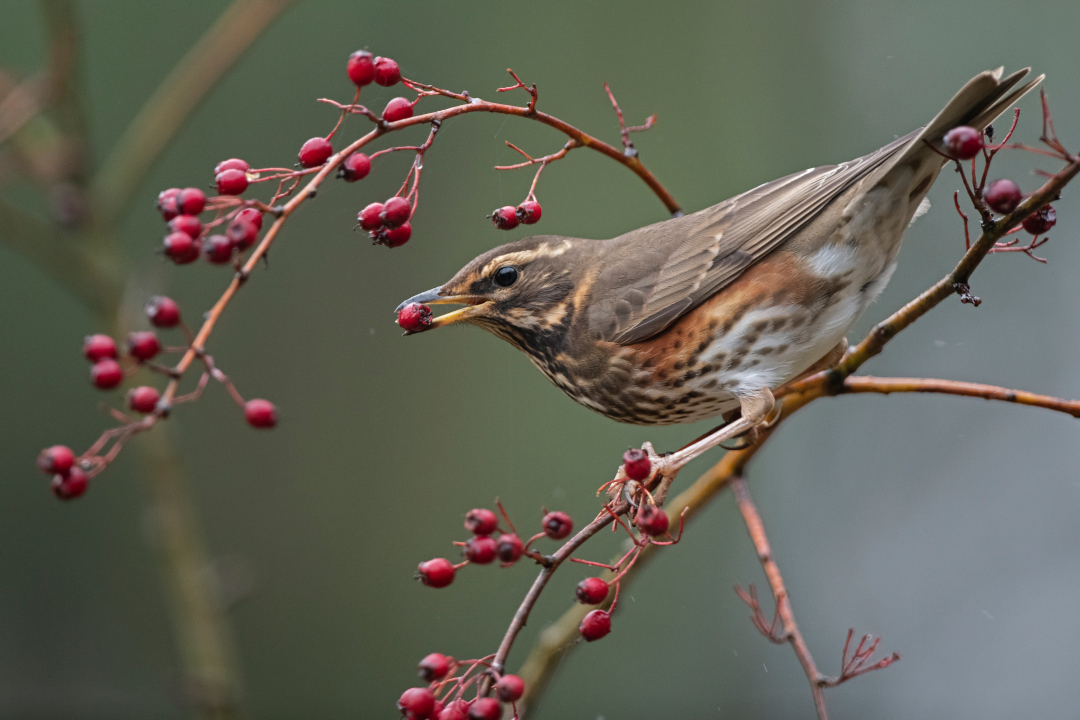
x=437 y=573
x=166 y=203
x=481 y=521
x=143 y=399
x=96 y=347
x=480 y=549
x=369 y=217
x=187 y=224
x=231 y=164
x=651 y=520
x=963 y=142
x=163 y=312
x=181 y=248
x=434 y=667
x=190 y=201
x=636 y=464
x=361 y=68
x=528 y=212
x=397 y=109
x=315 y=152
x=394 y=237
x=260 y=413
x=56 y=460
x=217 y=249
x=557 y=525
x=510 y=688
x=251 y=215
x=106 y=374
x=70 y=486
x=242 y=234
x=485 y=708
x=414 y=318
x=355 y=167
x=231 y=182
x=1003 y=196
x=505 y=218
x=1041 y=220
x=395 y=212
x=592 y=591
x=595 y=625
x=456 y=710
x=387 y=72
x=509 y=548
x=143 y=345
x=417 y=703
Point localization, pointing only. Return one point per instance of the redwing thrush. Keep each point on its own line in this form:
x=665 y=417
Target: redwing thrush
x=694 y=316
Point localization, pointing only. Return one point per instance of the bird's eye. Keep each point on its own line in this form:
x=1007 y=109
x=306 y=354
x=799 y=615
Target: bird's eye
x=506 y=276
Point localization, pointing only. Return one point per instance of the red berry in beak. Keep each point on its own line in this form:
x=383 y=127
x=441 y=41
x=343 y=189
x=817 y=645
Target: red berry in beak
x=414 y=318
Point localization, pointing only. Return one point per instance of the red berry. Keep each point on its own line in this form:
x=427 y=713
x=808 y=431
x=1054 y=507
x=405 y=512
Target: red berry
x=143 y=345
x=106 y=374
x=251 y=215
x=166 y=203
x=231 y=182
x=485 y=708
x=481 y=521
x=361 y=68
x=181 y=248
x=434 y=667
x=651 y=520
x=394 y=237
x=96 y=347
x=510 y=688
x=187 y=224
x=191 y=201
x=509 y=548
x=397 y=109
x=505 y=218
x=417 y=703
x=963 y=142
x=217 y=249
x=557 y=525
x=595 y=625
x=355 y=167
x=369 y=217
x=260 y=413
x=1041 y=220
x=437 y=573
x=387 y=72
x=143 y=399
x=457 y=710
x=231 y=164
x=1003 y=196
x=242 y=234
x=395 y=212
x=163 y=312
x=636 y=464
x=315 y=152
x=528 y=212
x=480 y=549
x=592 y=591
x=57 y=460
x=70 y=486
x=414 y=318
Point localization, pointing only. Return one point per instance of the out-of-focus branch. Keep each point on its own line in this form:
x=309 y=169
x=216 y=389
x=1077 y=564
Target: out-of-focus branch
x=63 y=91
x=173 y=102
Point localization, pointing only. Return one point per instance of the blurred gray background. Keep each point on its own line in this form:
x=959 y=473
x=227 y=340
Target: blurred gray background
x=946 y=525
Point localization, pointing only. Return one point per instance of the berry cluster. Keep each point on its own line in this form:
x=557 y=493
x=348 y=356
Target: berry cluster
x=449 y=679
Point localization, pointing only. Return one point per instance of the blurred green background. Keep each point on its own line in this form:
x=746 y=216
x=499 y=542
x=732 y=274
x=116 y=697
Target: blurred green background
x=946 y=525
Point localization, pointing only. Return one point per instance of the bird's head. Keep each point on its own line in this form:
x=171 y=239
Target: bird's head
x=519 y=291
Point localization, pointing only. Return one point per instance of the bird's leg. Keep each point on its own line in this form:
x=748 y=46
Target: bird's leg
x=756 y=407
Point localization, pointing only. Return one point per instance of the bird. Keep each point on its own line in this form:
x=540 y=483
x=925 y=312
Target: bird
x=707 y=314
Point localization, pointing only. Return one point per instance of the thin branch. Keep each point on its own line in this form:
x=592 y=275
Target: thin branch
x=166 y=111
x=870 y=384
x=64 y=91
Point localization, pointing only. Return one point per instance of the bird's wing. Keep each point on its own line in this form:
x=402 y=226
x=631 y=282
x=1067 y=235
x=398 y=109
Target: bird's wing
x=669 y=268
